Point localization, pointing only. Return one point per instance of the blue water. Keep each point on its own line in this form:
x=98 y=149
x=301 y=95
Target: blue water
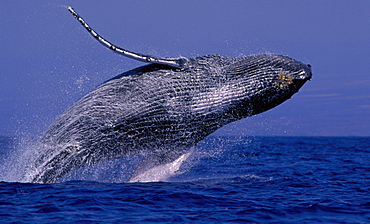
x=235 y=180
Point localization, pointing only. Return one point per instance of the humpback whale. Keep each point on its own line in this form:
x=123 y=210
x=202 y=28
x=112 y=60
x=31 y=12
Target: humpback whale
x=163 y=109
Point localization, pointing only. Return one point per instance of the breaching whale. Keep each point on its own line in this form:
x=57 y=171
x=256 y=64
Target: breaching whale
x=163 y=109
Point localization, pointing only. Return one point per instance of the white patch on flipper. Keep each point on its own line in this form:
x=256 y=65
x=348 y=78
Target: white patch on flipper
x=161 y=172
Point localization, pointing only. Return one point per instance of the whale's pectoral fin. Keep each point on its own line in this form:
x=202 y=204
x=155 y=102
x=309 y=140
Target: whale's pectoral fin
x=159 y=166
x=172 y=62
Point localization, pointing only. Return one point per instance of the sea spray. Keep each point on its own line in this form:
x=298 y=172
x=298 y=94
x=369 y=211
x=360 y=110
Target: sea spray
x=17 y=159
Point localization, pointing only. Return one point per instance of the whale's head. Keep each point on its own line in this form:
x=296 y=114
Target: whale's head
x=261 y=82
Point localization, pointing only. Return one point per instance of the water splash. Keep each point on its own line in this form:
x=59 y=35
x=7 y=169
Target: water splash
x=161 y=172
x=17 y=159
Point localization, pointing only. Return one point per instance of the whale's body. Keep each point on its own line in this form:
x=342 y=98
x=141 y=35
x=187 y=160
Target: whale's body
x=162 y=110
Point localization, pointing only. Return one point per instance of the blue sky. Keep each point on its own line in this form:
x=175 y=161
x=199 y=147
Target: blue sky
x=48 y=61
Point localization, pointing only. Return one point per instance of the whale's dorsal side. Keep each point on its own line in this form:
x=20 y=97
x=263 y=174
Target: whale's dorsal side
x=173 y=62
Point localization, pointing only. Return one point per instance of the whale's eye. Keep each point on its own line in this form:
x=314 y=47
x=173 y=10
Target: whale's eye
x=308 y=65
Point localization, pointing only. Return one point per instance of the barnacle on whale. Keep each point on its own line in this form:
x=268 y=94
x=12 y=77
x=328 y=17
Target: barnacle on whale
x=283 y=80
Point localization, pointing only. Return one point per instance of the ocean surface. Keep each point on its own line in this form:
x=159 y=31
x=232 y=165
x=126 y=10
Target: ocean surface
x=225 y=180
